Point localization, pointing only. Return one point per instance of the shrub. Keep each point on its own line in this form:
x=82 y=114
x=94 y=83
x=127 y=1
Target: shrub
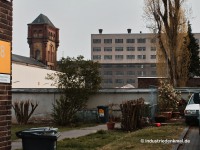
x=168 y=97
x=22 y=112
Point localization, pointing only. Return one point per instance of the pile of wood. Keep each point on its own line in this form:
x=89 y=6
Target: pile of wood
x=131 y=114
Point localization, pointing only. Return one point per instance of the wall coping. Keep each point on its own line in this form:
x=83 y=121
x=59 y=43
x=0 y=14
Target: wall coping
x=107 y=90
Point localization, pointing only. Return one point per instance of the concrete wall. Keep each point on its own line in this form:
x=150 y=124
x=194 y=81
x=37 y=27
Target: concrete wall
x=46 y=97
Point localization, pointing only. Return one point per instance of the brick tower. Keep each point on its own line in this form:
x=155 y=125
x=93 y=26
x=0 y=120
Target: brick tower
x=43 y=40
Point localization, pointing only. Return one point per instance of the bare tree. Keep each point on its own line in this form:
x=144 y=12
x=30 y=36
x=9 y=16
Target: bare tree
x=169 y=19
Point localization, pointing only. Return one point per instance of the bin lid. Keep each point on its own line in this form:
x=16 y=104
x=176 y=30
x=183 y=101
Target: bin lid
x=102 y=106
x=39 y=132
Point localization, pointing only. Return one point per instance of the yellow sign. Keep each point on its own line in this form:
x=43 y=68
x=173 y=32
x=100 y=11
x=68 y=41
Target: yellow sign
x=101 y=112
x=5 y=57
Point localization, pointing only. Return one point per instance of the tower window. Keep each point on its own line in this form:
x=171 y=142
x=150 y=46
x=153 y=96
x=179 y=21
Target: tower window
x=40 y=33
x=35 y=33
x=49 y=56
x=37 y=54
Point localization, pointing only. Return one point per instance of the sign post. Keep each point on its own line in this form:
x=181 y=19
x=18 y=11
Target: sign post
x=5 y=62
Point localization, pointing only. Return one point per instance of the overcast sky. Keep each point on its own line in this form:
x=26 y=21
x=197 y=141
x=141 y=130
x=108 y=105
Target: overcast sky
x=78 y=19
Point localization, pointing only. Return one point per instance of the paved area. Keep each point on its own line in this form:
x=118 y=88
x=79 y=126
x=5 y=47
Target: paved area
x=70 y=134
x=194 y=137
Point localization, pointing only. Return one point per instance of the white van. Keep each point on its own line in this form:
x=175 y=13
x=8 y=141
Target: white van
x=191 y=111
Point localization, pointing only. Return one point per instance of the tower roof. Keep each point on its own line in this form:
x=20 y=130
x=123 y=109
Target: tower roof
x=42 y=19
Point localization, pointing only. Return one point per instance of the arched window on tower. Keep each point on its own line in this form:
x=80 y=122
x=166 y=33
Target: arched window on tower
x=37 y=54
x=35 y=33
x=51 y=36
x=40 y=33
x=49 y=56
x=52 y=54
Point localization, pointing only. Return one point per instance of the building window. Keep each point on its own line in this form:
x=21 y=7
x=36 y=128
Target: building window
x=141 y=40
x=107 y=56
x=153 y=65
x=96 y=40
x=130 y=73
x=107 y=81
x=130 y=56
x=106 y=66
x=119 y=81
x=141 y=73
x=153 y=48
x=153 y=56
x=153 y=73
x=130 y=48
x=96 y=57
x=141 y=48
x=119 y=57
x=153 y=40
x=141 y=56
x=96 y=49
x=49 y=56
x=131 y=66
x=119 y=73
x=119 y=66
x=37 y=54
x=35 y=34
x=140 y=66
x=107 y=49
x=52 y=53
x=118 y=40
x=130 y=81
x=130 y=40
x=107 y=40
x=107 y=73
x=118 y=48
x=40 y=33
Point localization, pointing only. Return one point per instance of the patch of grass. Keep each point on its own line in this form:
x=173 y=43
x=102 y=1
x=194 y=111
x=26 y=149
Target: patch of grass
x=90 y=142
x=118 y=140
x=133 y=140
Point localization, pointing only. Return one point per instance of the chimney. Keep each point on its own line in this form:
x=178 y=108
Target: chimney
x=129 y=30
x=100 y=31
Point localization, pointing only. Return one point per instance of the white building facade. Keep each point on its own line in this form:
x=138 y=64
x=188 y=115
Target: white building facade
x=125 y=57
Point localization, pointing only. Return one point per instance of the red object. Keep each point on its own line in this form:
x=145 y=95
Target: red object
x=158 y=124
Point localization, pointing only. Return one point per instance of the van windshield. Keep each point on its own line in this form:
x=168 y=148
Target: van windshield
x=192 y=99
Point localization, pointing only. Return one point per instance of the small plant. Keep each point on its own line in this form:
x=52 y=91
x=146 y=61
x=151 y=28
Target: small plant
x=111 y=108
x=22 y=112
